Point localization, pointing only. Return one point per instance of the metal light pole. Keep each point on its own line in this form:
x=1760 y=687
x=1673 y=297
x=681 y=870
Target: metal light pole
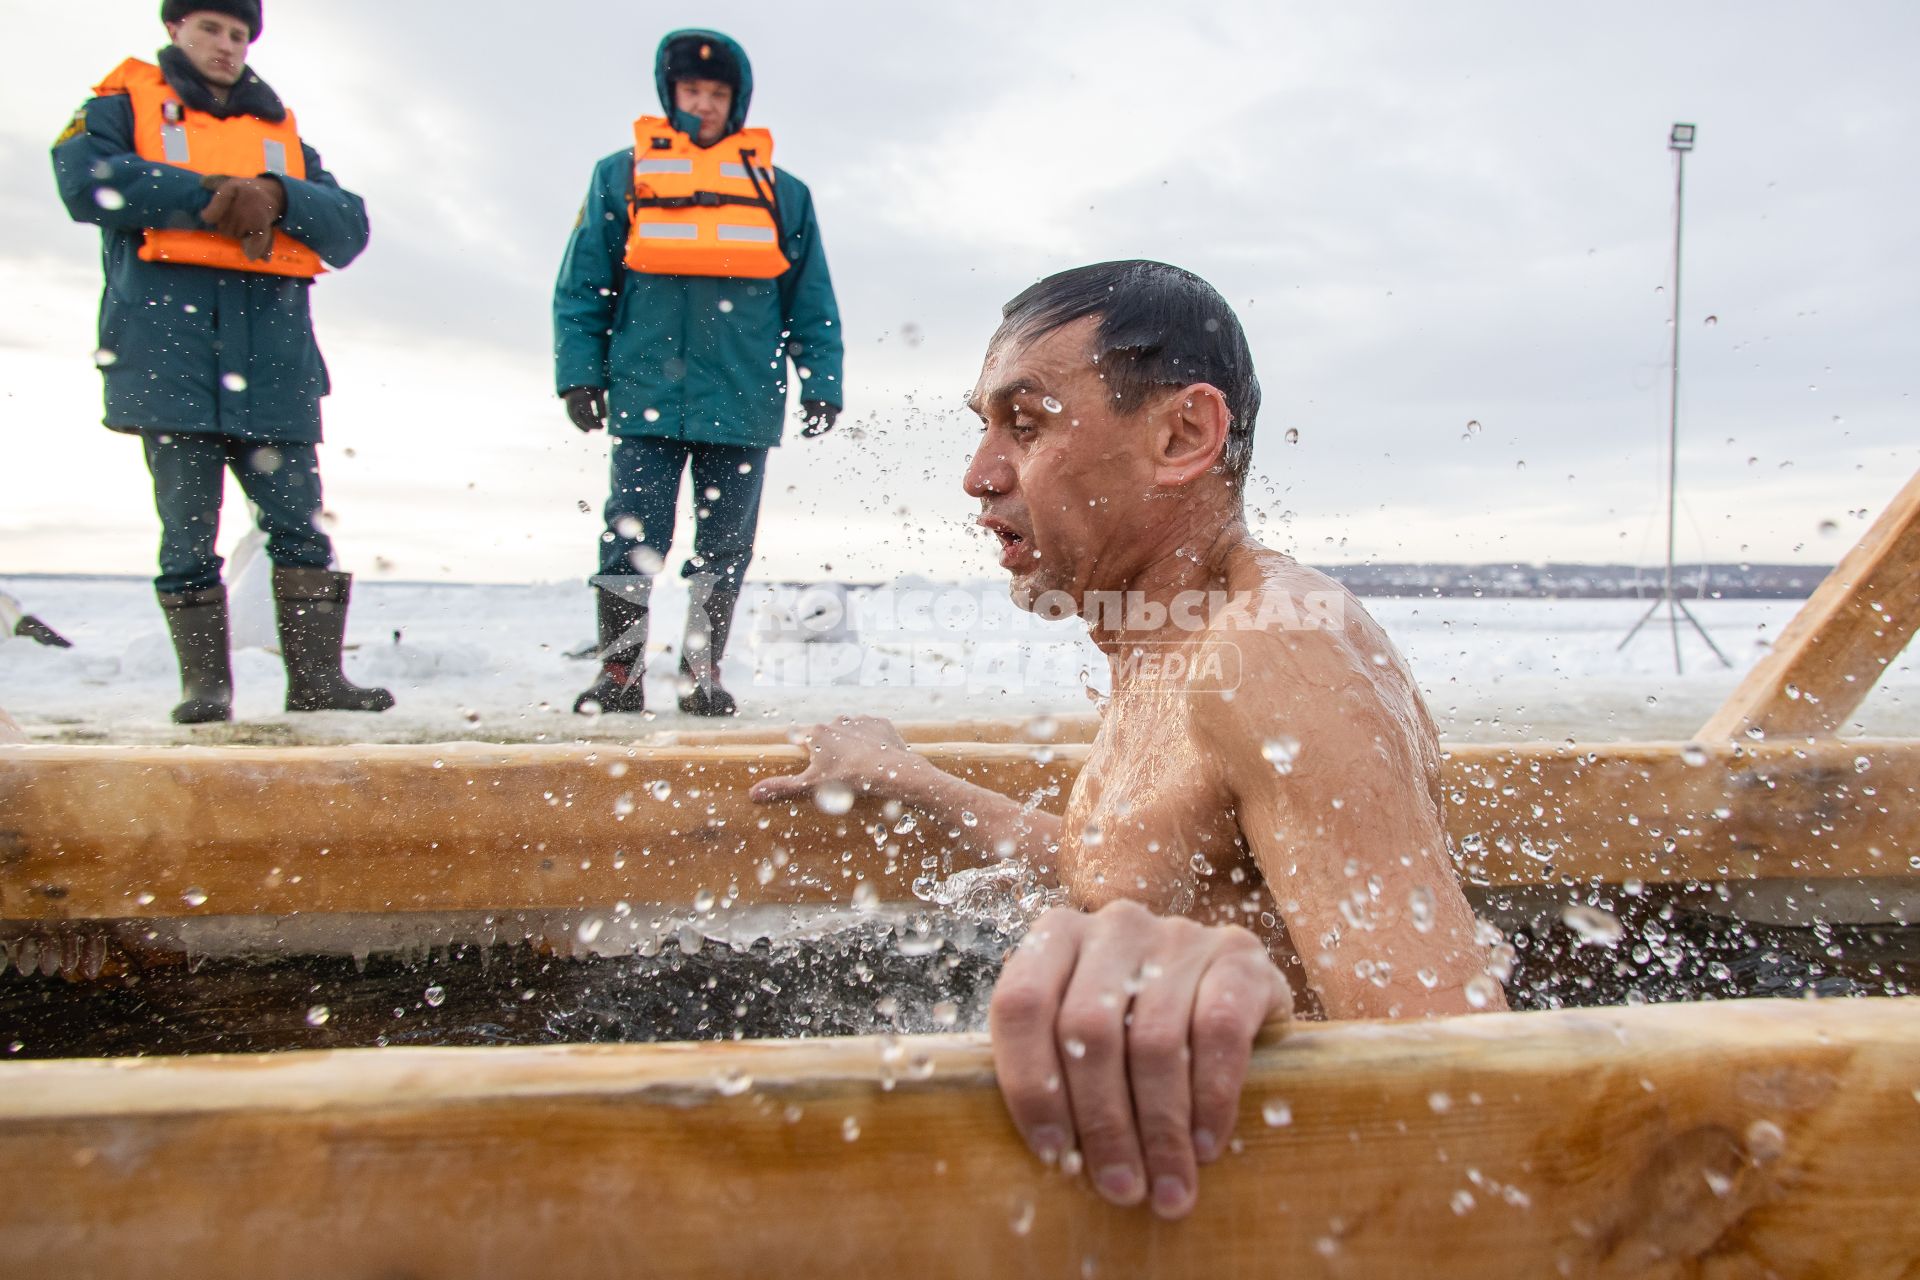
x=1679 y=142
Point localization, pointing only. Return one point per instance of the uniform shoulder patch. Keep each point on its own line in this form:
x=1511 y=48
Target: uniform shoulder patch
x=75 y=127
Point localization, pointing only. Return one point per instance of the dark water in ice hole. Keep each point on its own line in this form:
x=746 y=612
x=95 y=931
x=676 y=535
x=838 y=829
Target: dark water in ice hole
x=854 y=981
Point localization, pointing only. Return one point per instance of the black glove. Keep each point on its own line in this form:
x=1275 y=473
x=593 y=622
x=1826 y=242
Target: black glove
x=587 y=406
x=819 y=417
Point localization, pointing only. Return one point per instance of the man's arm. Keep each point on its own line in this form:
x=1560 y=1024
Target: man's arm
x=807 y=304
x=1331 y=785
x=103 y=180
x=868 y=756
x=323 y=215
x=587 y=294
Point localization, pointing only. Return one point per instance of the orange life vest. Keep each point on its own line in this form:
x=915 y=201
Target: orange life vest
x=166 y=130
x=703 y=211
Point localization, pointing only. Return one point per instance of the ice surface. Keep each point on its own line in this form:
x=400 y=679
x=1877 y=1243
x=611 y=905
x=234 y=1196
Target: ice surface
x=489 y=662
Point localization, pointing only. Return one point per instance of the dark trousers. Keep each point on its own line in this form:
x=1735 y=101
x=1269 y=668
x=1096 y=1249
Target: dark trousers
x=282 y=480
x=646 y=489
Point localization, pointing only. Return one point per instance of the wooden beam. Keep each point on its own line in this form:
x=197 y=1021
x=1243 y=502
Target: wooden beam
x=1078 y=727
x=90 y=832
x=1744 y=1138
x=1854 y=625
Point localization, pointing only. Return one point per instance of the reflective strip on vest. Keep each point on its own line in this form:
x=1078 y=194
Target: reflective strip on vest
x=665 y=166
x=754 y=235
x=669 y=231
x=276 y=156
x=740 y=171
x=173 y=144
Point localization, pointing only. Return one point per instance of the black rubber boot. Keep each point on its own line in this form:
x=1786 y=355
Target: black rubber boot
x=311 y=605
x=197 y=621
x=709 y=623
x=622 y=607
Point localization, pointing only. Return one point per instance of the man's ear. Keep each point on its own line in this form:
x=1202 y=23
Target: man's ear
x=1189 y=434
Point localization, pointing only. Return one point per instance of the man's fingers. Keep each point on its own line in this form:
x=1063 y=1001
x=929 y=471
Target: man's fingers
x=1236 y=995
x=217 y=207
x=1092 y=1035
x=1159 y=1065
x=796 y=786
x=1026 y=1002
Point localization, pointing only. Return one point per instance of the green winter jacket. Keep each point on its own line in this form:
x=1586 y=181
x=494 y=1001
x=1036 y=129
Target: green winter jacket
x=697 y=358
x=200 y=349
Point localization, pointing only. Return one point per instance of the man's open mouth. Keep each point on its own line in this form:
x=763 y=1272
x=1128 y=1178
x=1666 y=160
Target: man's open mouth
x=1014 y=548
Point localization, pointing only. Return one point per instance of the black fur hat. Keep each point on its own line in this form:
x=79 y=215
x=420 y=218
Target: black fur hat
x=247 y=11
x=691 y=58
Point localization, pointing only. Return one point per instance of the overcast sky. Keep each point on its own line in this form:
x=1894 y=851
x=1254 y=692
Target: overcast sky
x=1427 y=214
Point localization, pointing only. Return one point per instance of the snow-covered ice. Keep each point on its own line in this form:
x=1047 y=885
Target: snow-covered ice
x=490 y=662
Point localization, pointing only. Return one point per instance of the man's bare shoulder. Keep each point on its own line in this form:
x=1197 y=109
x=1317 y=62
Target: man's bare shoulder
x=1288 y=619
x=1309 y=658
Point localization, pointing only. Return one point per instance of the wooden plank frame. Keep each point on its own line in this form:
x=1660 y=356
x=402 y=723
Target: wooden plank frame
x=1850 y=630
x=93 y=832
x=1746 y=1138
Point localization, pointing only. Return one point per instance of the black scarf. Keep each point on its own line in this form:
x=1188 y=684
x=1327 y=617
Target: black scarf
x=251 y=97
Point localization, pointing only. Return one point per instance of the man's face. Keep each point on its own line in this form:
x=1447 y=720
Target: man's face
x=1061 y=477
x=215 y=44
x=708 y=100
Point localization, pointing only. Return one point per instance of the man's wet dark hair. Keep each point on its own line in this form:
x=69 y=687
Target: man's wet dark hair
x=1160 y=326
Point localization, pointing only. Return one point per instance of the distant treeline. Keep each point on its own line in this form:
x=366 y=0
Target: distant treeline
x=1578 y=581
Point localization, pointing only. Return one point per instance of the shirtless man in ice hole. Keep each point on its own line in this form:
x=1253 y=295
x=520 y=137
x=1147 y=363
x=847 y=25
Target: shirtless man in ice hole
x=1256 y=832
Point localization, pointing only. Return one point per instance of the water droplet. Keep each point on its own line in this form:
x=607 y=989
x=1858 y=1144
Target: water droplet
x=1712 y=320
x=1693 y=754
x=833 y=797
x=1439 y=1103
x=850 y=1129
x=1462 y=1202
x=194 y=897
x=1473 y=428
x=1075 y=1048
x=1022 y=1221
x=703 y=901
x=589 y=929
x=726 y=304
x=233 y=382
x=1482 y=991
x=1051 y=405
x=1420 y=908
x=866 y=897
x=109 y=199
x=1861 y=764
x=105 y=358
x=732 y=1082
x=946 y=1013
x=317 y=1015
x=1281 y=753
x=1717 y=1182
x=1594 y=927
x=1765 y=1141
x=1293 y=435
x=435 y=996
x=650 y=414
x=623 y=805
x=1277 y=1112
x=660 y=789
